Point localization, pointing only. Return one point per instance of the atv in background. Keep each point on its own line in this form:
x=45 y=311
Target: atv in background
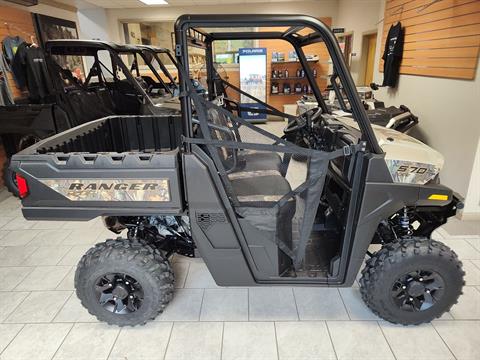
x=99 y=84
x=392 y=117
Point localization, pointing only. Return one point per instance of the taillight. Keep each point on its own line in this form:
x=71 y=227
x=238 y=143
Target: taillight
x=22 y=186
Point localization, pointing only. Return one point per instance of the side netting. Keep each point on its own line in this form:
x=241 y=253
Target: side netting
x=275 y=196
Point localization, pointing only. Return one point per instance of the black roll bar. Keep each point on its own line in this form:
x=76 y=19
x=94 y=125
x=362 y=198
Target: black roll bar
x=187 y=22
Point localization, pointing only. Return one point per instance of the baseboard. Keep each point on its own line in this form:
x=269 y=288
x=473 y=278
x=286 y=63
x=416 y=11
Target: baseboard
x=470 y=216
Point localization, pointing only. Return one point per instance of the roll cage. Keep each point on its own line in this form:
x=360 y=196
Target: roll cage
x=148 y=53
x=192 y=30
x=91 y=48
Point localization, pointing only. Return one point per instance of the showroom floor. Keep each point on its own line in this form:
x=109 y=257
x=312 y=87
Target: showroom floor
x=41 y=317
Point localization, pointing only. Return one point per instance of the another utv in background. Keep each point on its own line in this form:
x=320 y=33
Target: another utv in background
x=230 y=191
x=109 y=87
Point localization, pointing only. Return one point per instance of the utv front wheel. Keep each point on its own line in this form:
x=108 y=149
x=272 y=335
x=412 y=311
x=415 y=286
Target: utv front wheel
x=124 y=282
x=412 y=281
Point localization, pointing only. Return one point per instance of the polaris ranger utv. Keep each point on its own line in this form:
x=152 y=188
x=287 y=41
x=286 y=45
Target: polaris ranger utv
x=231 y=192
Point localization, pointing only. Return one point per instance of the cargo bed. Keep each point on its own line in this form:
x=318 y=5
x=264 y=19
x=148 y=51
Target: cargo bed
x=119 y=165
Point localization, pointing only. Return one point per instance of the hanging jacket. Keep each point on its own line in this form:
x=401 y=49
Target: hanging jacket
x=392 y=55
x=10 y=45
x=6 y=97
x=30 y=67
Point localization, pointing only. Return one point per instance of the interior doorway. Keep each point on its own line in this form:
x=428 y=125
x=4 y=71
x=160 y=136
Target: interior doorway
x=370 y=44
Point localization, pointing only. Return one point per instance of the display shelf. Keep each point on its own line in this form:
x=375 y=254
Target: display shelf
x=292 y=94
x=293 y=61
x=289 y=78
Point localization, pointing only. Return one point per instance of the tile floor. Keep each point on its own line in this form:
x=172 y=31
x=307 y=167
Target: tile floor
x=41 y=318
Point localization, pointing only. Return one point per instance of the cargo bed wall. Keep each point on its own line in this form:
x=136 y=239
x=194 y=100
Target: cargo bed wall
x=86 y=186
x=113 y=166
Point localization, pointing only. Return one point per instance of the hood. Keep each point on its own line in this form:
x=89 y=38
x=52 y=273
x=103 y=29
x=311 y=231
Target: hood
x=408 y=159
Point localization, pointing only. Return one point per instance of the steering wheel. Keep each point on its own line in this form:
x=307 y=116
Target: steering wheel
x=302 y=121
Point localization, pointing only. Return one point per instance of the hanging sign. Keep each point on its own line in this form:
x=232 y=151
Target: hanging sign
x=253 y=80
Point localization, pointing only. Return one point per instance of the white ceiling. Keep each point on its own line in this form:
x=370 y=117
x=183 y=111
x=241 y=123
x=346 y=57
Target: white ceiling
x=116 y=4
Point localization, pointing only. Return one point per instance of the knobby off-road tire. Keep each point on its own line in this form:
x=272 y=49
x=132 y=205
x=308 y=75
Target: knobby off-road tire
x=9 y=179
x=141 y=263
x=382 y=291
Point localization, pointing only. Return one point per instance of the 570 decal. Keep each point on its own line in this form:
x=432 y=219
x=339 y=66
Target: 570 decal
x=412 y=169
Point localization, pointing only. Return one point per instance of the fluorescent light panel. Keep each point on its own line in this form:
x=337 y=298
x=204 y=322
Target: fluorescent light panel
x=154 y=2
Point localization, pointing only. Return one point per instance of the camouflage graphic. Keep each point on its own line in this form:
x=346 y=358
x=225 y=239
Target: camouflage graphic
x=411 y=172
x=111 y=189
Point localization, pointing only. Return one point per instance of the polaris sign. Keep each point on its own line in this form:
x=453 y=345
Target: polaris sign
x=253 y=80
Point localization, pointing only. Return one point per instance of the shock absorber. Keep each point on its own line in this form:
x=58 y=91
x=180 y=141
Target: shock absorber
x=404 y=221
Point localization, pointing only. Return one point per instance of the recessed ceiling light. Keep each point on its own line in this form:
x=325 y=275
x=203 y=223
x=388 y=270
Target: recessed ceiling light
x=154 y=2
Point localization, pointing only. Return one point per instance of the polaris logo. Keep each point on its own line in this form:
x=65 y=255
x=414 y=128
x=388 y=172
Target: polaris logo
x=112 y=186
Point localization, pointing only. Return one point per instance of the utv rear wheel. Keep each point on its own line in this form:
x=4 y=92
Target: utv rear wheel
x=124 y=282
x=9 y=179
x=412 y=281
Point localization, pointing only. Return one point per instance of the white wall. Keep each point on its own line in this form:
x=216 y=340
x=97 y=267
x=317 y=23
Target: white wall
x=472 y=202
x=359 y=16
x=93 y=24
x=448 y=112
x=323 y=8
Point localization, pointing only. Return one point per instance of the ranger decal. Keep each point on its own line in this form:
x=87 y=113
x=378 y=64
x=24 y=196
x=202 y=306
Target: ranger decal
x=111 y=189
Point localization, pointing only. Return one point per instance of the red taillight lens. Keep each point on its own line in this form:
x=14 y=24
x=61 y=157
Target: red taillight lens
x=22 y=186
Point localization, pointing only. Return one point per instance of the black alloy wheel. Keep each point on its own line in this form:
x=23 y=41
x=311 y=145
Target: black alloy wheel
x=119 y=293
x=418 y=290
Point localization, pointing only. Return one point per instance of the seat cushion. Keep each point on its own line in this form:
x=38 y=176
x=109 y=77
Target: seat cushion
x=262 y=189
x=254 y=161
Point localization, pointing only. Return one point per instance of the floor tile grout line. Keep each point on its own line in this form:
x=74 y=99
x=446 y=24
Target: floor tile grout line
x=276 y=339
x=67 y=273
x=443 y=340
x=476 y=266
x=18 y=332
x=63 y=340
x=296 y=305
x=386 y=340
x=221 y=344
x=27 y=275
x=201 y=306
x=186 y=275
x=168 y=341
x=16 y=307
x=40 y=266
x=331 y=339
x=114 y=342
x=61 y=307
x=38 y=248
x=343 y=302
x=59 y=261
